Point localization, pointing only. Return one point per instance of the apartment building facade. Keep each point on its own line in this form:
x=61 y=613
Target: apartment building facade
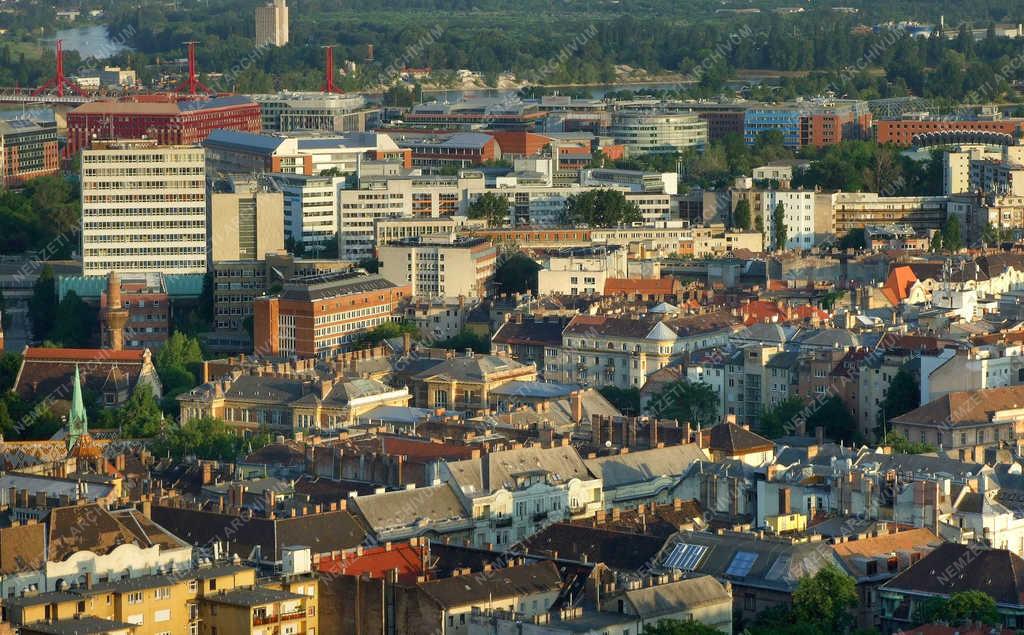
x=323 y=315
x=143 y=208
x=440 y=266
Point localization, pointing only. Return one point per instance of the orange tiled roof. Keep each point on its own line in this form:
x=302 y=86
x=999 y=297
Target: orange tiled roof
x=757 y=311
x=897 y=286
x=376 y=562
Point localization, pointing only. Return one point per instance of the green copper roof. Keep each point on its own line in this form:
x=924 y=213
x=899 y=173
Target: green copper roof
x=78 y=422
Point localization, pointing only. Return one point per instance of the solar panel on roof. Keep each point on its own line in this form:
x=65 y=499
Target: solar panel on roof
x=685 y=556
x=741 y=563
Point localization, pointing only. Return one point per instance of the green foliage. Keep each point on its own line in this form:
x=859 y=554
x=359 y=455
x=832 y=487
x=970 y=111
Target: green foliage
x=140 y=416
x=625 y=400
x=42 y=306
x=826 y=599
x=517 y=274
x=780 y=420
x=900 y=444
x=371 y=265
x=76 y=324
x=854 y=239
x=386 y=331
x=833 y=415
x=679 y=627
x=10 y=364
x=904 y=394
x=951 y=238
x=741 y=215
x=601 y=208
x=179 y=365
x=960 y=608
x=205 y=438
x=492 y=208
x=993 y=235
x=695 y=402
x=828 y=303
x=779 y=229
x=466 y=339
x=44 y=216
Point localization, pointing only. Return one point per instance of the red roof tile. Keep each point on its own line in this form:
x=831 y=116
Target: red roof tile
x=83 y=354
x=377 y=561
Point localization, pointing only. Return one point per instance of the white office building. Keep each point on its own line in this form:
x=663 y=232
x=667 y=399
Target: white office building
x=143 y=208
x=310 y=208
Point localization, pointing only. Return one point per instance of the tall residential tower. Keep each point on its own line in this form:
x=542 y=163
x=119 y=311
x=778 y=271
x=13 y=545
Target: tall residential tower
x=272 y=24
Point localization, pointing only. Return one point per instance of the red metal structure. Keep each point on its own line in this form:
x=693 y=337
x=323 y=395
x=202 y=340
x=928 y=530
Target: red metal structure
x=329 y=86
x=192 y=83
x=58 y=82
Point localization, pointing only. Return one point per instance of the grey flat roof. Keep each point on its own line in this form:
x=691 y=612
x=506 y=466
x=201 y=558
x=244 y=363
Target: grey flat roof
x=253 y=597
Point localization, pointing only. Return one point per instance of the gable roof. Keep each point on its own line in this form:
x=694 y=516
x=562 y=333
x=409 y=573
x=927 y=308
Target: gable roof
x=636 y=467
x=496 y=585
x=473 y=368
x=495 y=470
x=897 y=286
x=530 y=332
x=49 y=371
x=732 y=439
x=618 y=550
x=965 y=407
x=682 y=595
x=428 y=507
x=952 y=567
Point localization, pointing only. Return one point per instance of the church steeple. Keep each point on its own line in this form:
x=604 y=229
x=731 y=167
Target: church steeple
x=78 y=423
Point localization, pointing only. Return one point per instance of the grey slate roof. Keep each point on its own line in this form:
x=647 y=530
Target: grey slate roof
x=495 y=470
x=475 y=368
x=644 y=465
x=432 y=505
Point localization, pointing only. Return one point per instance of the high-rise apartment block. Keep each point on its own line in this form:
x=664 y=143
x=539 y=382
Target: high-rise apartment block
x=143 y=208
x=246 y=221
x=272 y=24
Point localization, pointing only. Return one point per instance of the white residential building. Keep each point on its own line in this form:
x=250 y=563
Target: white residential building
x=579 y=270
x=143 y=208
x=514 y=493
x=440 y=266
x=806 y=223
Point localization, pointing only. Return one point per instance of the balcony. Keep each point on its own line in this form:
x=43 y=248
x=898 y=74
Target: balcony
x=502 y=521
x=540 y=517
x=261 y=620
x=294 y=615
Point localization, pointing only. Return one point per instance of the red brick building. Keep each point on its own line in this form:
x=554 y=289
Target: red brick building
x=28 y=149
x=320 y=316
x=170 y=123
x=901 y=132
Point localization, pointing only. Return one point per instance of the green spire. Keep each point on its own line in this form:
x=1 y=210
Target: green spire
x=78 y=423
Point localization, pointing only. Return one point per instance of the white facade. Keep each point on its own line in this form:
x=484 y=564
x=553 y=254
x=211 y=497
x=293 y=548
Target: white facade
x=646 y=132
x=799 y=218
x=581 y=271
x=440 y=266
x=310 y=207
x=143 y=208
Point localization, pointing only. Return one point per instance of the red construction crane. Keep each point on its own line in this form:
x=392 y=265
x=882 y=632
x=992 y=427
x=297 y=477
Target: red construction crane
x=58 y=81
x=192 y=83
x=329 y=86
